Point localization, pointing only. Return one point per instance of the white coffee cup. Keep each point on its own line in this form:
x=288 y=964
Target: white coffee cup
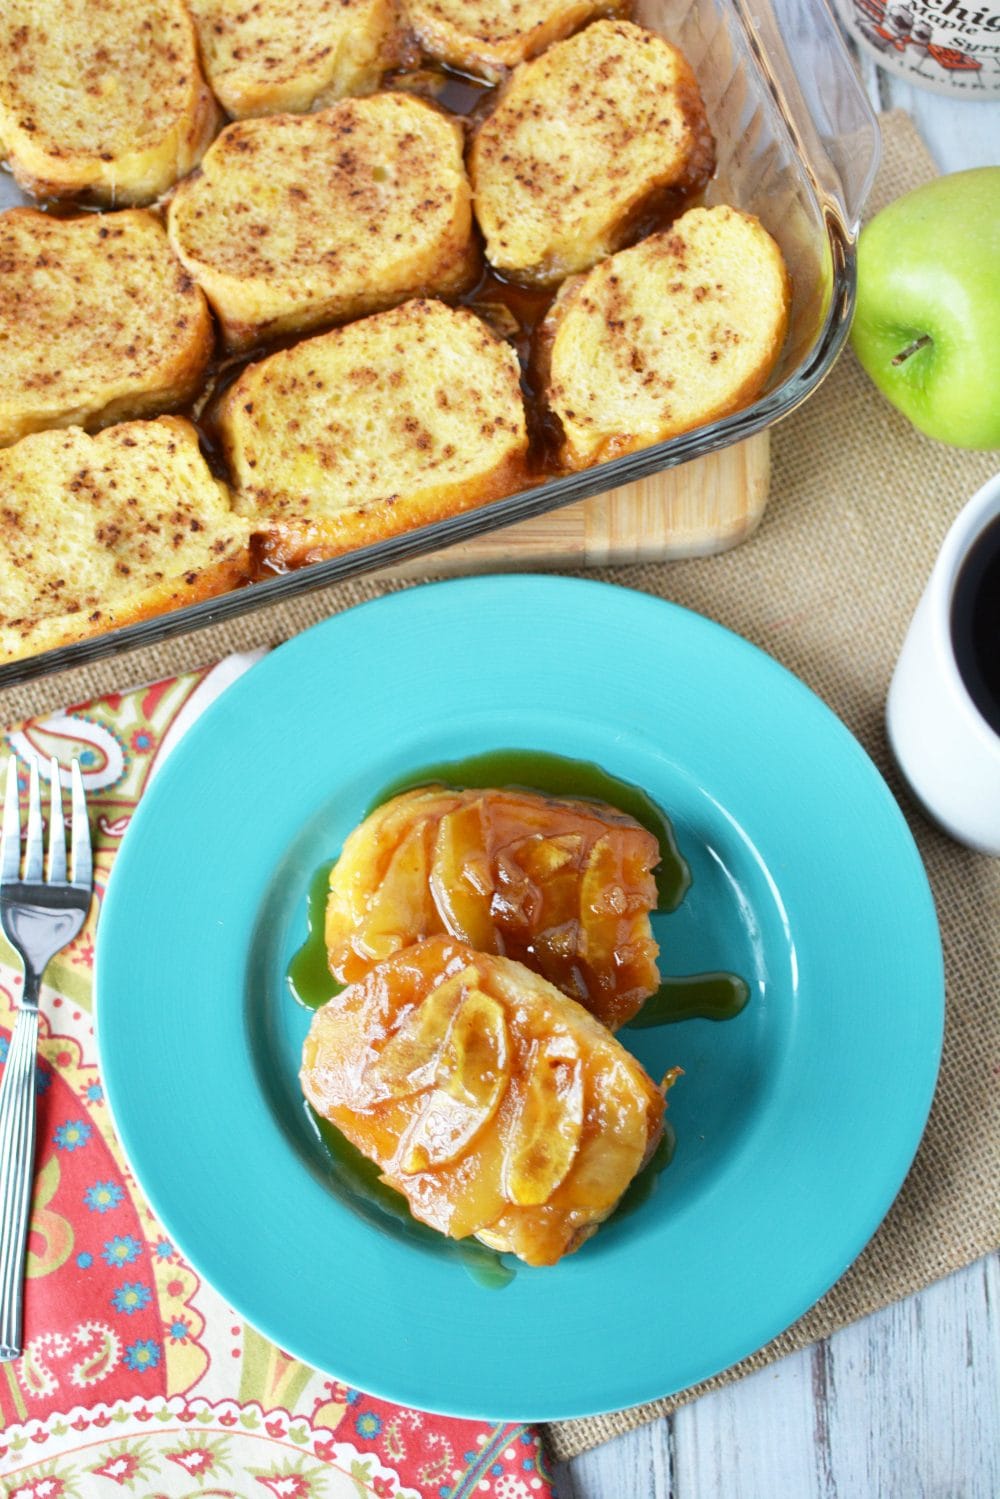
x=948 y=753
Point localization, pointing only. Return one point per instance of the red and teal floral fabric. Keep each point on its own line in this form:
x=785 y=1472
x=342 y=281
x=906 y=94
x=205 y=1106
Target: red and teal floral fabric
x=137 y=1379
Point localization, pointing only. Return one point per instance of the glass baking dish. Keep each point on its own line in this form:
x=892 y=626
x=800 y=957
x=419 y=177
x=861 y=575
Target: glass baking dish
x=797 y=145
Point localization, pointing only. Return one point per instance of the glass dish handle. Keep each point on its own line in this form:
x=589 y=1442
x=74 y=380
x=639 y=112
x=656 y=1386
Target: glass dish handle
x=800 y=47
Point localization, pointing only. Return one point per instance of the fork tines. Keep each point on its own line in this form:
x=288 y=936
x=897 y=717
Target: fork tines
x=10 y=838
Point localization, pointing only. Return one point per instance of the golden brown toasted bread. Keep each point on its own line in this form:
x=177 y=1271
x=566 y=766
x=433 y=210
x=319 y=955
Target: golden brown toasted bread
x=97 y=532
x=373 y=429
x=103 y=99
x=487 y=39
x=97 y=321
x=300 y=220
x=678 y=331
x=273 y=55
x=580 y=140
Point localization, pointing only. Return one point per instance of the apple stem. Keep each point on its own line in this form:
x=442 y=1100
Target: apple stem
x=918 y=343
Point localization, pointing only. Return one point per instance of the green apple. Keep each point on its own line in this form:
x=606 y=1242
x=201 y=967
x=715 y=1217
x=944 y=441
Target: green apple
x=927 y=325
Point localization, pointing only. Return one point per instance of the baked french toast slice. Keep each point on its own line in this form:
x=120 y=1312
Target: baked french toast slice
x=494 y=1104
x=680 y=330
x=299 y=220
x=372 y=429
x=98 y=532
x=485 y=39
x=293 y=55
x=106 y=100
x=98 y=321
x=580 y=141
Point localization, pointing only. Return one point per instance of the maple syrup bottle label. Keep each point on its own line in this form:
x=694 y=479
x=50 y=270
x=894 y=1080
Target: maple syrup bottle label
x=950 y=46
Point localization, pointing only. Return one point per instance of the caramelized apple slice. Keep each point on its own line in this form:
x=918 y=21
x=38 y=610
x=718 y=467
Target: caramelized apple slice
x=391 y=822
x=553 y=939
x=475 y=1063
x=541 y=858
x=352 y=879
x=537 y=886
x=409 y=1059
x=366 y=860
x=461 y=879
x=517 y=900
x=546 y=1133
x=602 y=903
x=472 y=1076
x=614 y=1151
x=400 y=910
x=476 y=1190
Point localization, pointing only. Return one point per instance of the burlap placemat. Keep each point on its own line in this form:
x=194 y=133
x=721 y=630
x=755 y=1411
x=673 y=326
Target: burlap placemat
x=859 y=506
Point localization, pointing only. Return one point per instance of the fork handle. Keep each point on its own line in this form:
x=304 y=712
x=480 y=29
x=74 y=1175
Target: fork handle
x=17 y=1151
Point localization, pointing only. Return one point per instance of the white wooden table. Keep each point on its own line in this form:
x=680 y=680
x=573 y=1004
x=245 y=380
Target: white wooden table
x=906 y=1404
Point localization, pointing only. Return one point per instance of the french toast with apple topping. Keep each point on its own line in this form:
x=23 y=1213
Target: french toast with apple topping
x=563 y=886
x=494 y=1104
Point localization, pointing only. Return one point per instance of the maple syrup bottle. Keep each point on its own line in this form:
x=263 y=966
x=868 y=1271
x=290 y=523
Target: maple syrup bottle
x=949 y=46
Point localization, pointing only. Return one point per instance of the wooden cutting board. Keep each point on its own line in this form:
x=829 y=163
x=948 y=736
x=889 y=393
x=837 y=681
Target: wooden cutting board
x=703 y=506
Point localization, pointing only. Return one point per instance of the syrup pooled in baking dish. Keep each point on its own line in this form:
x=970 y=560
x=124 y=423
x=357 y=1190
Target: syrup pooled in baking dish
x=714 y=996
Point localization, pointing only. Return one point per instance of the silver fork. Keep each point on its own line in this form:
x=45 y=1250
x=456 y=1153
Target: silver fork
x=39 y=917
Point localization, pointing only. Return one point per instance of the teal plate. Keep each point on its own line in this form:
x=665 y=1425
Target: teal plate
x=795 y=1123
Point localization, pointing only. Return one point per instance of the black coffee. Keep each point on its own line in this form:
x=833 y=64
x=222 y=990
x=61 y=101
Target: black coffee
x=975 y=624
